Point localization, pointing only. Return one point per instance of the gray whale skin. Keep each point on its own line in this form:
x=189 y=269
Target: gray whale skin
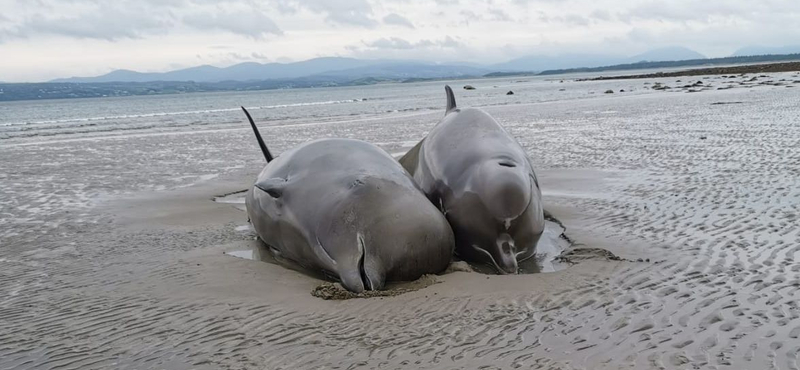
x=483 y=182
x=347 y=208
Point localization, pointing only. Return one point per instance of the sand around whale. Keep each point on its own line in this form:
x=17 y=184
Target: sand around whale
x=112 y=252
x=556 y=251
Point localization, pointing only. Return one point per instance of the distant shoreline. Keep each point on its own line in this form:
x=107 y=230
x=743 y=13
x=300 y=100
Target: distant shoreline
x=11 y=92
x=76 y=90
x=733 y=70
x=744 y=60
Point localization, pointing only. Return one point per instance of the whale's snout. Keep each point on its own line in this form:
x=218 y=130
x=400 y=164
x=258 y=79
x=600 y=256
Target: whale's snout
x=506 y=254
x=364 y=271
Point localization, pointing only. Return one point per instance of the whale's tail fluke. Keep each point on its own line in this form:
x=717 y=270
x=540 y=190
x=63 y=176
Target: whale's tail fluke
x=451 y=99
x=267 y=154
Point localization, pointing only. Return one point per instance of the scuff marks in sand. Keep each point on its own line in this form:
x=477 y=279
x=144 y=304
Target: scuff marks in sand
x=335 y=291
x=718 y=218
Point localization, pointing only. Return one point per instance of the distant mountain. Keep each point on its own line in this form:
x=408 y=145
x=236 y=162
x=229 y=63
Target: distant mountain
x=340 y=67
x=408 y=70
x=667 y=54
x=543 y=62
x=566 y=61
x=766 y=50
x=240 y=72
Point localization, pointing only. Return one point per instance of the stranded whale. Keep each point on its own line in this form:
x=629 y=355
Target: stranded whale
x=483 y=182
x=347 y=208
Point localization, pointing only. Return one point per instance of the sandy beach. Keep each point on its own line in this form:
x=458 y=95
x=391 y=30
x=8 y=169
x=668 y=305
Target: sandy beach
x=112 y=249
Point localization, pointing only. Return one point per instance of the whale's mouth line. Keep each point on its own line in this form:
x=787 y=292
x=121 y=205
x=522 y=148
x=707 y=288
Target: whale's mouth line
x=491 y=258
x=362 y=249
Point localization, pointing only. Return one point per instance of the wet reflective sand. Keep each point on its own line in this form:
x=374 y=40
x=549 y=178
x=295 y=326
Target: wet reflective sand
x=112 y=252
x=550 y=246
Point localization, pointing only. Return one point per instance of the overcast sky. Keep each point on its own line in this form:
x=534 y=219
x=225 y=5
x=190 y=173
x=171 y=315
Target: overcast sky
x=45 y=39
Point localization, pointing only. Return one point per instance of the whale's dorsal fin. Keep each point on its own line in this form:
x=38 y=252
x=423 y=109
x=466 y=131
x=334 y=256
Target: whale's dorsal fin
x=261 y=144
x=451 y=99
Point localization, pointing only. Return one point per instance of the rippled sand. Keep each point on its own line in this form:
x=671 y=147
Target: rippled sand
x=111 y=250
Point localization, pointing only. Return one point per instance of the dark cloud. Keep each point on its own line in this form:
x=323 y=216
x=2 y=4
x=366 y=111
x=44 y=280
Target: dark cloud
x=397 y=20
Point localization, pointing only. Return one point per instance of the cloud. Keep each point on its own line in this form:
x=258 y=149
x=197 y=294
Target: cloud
x=401 y=44
x=397 y=20
x=390 y=43
x=108 y=24
x=85 y=19
x=154 y=34
x=499 y=15
x=576 y=20
x=710 y=11
x=449 y=42
x=600 y=14
x=247 y=23
x=346 y=12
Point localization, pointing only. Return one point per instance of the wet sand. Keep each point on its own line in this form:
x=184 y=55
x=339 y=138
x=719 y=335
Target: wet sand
x=112 y=250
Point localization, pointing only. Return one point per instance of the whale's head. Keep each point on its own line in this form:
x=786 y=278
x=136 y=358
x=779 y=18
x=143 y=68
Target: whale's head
x=383 y=230
x=496 y=214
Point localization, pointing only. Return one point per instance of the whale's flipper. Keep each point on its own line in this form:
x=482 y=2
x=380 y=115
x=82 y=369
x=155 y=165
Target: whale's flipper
x=264 y=149
x=451 y=99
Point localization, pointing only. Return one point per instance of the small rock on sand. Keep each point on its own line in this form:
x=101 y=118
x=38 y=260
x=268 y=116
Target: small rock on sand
x=510 y=92
x=609 y=91
x=469 y=87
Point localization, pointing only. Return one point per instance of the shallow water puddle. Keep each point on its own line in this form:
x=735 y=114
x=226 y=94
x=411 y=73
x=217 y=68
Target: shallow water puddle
x=550 y=246
x=258 y=252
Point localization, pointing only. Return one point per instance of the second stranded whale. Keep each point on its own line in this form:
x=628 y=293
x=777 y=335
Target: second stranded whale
x=483 y=182
x=347 y=208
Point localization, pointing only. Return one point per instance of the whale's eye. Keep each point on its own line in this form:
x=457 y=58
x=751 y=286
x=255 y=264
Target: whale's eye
x=507 y=164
